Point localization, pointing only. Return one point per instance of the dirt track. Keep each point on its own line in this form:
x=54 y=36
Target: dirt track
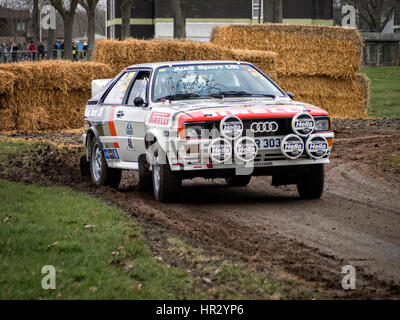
x=356 y=222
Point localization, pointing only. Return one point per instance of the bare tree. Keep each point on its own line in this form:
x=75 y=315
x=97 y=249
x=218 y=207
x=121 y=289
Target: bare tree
x=272 y=11
x=126 y=9
x=35 y=21
x=67 y=11
x=90 y=7
x=179 y=15
x=375 y=13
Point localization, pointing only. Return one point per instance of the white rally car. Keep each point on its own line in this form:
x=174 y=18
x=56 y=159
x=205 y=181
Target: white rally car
x=215 y=119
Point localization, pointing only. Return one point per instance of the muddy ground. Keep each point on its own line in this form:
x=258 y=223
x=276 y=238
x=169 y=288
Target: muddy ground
x=356 y=221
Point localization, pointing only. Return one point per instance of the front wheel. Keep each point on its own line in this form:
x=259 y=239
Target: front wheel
x=311 y=184
x=166 y=184
x=101 y=174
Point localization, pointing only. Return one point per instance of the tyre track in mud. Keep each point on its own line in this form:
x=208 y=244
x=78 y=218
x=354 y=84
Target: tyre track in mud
x=357 y=220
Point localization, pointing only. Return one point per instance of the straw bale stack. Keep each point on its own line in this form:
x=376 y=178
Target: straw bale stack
x=121 y=54
x=319 y=64
x=48 y=95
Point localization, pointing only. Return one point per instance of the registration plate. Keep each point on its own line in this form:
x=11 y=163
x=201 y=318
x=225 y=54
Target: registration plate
x=269 y=143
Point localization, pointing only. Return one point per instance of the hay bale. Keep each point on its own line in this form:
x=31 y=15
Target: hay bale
x=48 y=95
x=302 y=49
x=342 y=98
x=121 y=54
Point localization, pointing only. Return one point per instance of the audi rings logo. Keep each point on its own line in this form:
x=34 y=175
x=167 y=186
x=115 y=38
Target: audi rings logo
x=268 y=126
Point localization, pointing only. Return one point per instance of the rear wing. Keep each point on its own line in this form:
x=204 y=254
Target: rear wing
x=98 y=86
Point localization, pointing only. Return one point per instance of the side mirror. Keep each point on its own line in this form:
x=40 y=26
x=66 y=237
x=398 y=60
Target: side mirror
x=138 y=102
x=290 y=95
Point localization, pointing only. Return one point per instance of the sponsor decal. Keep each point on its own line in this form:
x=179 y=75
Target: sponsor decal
x=159 y=118
x=111 y=154
x=267 y=126
x=106 y=155
x=303 y=124
x=316 y=147
x=220 y=150
x=245 y=149
x=231 y=127
x=292 y=146
x=131 y=145
x=129 y=128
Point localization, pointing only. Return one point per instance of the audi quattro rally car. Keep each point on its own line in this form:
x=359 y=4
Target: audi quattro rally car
x=215 y=119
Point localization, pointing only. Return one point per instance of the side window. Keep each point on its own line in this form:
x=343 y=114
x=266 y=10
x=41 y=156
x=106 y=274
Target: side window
x=117 y=93
x=139 y=88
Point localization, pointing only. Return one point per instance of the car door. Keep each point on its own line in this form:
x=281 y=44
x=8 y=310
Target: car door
x=108 y=106
x=129 y=119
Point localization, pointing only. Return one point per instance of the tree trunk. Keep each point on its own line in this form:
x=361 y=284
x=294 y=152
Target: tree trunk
x=68 y=23
x=35 y=21
x=91 y=31
x=126 y=8
x=179 y=15
x=273 y=11
x=50 y=42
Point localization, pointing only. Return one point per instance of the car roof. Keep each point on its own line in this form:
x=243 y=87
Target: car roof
x=155 y=65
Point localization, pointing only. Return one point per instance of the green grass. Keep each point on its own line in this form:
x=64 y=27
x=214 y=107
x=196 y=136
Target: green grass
x=98 y=252
x=385 y=91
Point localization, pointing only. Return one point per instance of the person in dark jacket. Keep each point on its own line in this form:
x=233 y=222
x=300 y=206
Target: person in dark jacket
x=75 y=51
x=41 y=50
x=14 y=52
x=55 y=50
x=62 y=50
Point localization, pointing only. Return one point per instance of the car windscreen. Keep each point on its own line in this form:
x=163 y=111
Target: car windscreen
x=211 y=81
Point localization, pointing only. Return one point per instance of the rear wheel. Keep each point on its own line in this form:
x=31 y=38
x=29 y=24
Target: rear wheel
x=310 y=185
x=166 y=184
x=101 y=174
x=238 y=181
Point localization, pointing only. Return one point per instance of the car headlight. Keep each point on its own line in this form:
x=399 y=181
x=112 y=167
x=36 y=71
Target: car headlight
x=193 y=131
x=322 y=125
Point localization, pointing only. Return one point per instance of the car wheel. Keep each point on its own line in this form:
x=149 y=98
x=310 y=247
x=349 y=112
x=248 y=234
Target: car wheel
x=238 y=181
x=311 y=184
x=145 y=176
x=101 y=174
x=166 y=184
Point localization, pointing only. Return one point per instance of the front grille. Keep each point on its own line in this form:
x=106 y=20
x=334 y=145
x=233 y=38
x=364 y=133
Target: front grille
x=284 y=126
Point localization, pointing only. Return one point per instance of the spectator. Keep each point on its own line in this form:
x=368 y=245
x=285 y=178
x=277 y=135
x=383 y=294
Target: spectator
x=41 y=50
x=24 y=52
x=5 y=52
x=75 y=51
x=1 y=51
x=32 y=51
x=62 y=50
x=14 y=52
x=55 y=50
x=85 y=48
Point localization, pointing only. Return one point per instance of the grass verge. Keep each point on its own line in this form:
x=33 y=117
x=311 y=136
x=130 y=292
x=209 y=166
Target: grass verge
x=385 y=91
x=99 y=253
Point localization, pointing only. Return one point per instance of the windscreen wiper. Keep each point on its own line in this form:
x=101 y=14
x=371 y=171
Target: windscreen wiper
x=179 y=96
x=240 y=93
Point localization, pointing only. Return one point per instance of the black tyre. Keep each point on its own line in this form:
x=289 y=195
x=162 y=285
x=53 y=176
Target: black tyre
x=145 y=176
x=238 y=181
x=84 y=166
x=311 y=184
x=166 y=184
x=101 y=174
